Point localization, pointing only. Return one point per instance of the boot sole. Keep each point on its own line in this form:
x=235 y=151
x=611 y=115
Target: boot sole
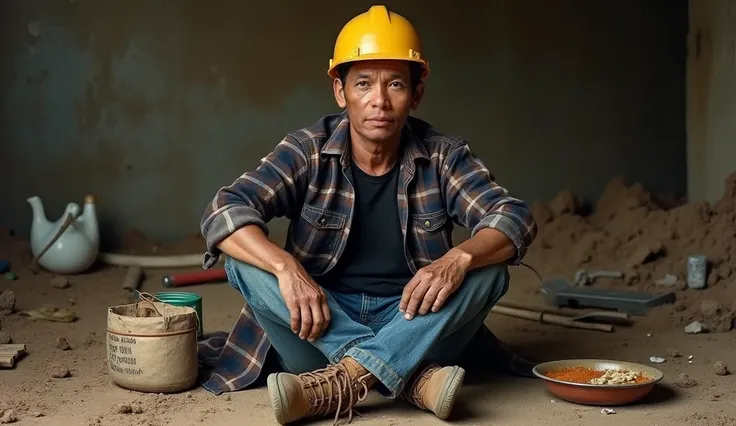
x=276 y=396
x=449 y=393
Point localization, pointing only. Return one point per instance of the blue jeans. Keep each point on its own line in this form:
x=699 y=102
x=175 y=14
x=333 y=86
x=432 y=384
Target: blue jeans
x=370 y=329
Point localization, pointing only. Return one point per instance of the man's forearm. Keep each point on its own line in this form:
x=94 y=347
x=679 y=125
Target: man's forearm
x=250 y=245
x=487 y=247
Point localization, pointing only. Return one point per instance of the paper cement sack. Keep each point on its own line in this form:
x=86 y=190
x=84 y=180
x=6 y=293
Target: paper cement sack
x=152 y=346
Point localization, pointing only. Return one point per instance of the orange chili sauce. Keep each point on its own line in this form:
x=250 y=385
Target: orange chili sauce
x=584 y=375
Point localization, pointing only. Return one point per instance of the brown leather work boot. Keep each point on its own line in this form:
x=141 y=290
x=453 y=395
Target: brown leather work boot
x=336 y=388
x=434 y=388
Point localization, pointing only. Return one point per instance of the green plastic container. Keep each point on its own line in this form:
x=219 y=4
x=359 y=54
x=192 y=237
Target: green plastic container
x=181 y=298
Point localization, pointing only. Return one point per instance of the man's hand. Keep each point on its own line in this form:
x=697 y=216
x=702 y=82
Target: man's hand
x=307 y=302
x=433 y=284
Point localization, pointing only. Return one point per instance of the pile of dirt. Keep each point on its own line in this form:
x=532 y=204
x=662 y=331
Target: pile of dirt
x=649 y=244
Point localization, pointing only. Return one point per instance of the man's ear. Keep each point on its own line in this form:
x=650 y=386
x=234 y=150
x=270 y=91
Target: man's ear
x=339 y=90
x=418 y=94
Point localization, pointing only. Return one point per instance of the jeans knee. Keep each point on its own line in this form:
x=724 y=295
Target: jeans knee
x=249 y=280
x=488 y=283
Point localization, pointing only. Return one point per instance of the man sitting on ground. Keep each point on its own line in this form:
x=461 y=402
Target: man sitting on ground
x=369 y=292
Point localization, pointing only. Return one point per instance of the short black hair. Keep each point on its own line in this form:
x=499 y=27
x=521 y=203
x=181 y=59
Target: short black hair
x=415 y=73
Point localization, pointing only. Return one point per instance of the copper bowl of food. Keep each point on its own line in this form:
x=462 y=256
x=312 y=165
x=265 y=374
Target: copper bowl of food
x=598 y=381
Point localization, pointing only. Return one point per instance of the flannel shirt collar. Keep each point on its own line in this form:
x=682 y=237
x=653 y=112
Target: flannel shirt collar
x=339 y=141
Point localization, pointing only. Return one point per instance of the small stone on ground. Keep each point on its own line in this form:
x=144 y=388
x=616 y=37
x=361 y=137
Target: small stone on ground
x=720 y=368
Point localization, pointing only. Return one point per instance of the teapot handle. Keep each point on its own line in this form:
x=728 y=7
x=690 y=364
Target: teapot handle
x=34 y=266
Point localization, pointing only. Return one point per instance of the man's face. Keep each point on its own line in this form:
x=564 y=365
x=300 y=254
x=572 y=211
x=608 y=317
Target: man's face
x=378 y=98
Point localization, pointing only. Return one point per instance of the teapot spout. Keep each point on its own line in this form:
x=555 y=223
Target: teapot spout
x=40 y=225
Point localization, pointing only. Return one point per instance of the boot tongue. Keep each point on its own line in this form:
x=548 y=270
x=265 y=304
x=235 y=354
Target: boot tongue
x=358 y=372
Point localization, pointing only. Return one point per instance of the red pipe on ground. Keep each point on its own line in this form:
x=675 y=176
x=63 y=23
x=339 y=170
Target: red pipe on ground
x=194 y=278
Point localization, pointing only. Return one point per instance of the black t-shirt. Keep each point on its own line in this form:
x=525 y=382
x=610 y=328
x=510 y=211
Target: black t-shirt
x=373 y=261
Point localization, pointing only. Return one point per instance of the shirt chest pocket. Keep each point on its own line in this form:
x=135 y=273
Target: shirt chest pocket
x=431 y=235
x=429 y=222
x=316 y=237
x=323 y=219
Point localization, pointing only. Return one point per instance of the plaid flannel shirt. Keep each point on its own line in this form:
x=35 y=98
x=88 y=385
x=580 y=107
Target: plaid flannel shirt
x=307 y=179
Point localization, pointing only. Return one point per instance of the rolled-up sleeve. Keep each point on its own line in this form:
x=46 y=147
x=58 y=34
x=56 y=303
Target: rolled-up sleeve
x=476 y=201
x=274 y=189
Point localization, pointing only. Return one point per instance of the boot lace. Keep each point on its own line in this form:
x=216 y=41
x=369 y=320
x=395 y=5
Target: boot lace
x=333 y=386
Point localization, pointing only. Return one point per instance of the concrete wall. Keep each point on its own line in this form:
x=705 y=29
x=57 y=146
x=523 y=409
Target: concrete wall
x=152 y=106
x=711 y=97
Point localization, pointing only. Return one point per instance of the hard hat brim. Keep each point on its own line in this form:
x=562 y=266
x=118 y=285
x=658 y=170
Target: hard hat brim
x=332 y=71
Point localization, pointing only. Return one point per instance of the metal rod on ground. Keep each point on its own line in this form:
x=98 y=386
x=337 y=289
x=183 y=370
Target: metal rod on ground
x=133 y=278
x=515 y=305
x=576 y=316
x=549 y=318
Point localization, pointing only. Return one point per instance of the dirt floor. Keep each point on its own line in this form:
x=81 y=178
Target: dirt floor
x=629 y=232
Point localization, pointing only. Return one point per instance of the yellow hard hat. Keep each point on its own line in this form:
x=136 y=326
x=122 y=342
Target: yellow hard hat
x=377 y=34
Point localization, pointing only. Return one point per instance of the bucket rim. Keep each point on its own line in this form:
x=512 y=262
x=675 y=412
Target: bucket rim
x=182 y=296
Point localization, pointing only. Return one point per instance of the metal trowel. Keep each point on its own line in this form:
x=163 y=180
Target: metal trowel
x=560 y=293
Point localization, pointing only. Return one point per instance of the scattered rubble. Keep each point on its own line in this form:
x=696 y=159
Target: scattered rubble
x=668 y=280
x=59 y=372
x=720 y=368
x=123 y=409
x=684 y=381
x=62 y=343
x=8 y=416
x=60 y=282
x=7 y=302
x=650 y=242
x=694 y=328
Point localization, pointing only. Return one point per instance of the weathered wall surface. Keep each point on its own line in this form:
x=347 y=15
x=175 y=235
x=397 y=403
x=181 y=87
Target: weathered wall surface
x=711 y=97
x=152 y=106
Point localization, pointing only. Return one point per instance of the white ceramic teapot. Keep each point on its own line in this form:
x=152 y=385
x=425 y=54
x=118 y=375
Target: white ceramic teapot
x=76 y=249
